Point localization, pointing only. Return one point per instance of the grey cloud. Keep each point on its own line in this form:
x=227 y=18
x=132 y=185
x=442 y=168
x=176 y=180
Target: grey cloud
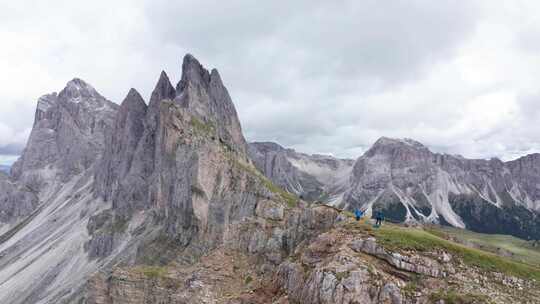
x=292 y=66
x=319 y=76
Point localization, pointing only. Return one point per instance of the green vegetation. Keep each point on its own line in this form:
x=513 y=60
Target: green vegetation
x=395 y=237
x=248 y=280
x=202 y=127
x=288 y=197
x=152 y=272
x=119 y=225
x=342 y=275
x=197 y=190
x=453 y=297
x=410 y=289
x=512 y=247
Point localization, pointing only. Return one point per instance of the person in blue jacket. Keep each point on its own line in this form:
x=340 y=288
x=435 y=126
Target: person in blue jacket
x=358 y=214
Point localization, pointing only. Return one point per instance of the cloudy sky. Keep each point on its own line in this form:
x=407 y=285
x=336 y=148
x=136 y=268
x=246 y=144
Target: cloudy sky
x=331 y=77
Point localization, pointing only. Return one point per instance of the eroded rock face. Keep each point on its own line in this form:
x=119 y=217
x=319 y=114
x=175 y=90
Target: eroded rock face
x=412 y=263
x=67 y=138
x=252 y=252
x=129 y=184
x=16 y=202
x=183 y=157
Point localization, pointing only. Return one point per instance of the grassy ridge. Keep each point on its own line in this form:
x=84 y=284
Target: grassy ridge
x=288 y=197
x=516 y=248
x=397 y=237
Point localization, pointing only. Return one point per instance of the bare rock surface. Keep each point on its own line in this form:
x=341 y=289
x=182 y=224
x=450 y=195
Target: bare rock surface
x=335 y=265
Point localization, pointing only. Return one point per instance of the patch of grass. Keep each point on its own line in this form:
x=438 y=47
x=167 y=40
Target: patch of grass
x=119 y=225
x=197 y=190
x=453 y=297
x=395 y=237
x=342 y=275
x=204 y=128
x=248 y=280
x=289 y=198
x=152 y=272
x=410 y=289
x=519 y=249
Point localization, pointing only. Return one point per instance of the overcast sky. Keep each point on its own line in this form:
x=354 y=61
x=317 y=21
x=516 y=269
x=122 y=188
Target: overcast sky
x=331 y=77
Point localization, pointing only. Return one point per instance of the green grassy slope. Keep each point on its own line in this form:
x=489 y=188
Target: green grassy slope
x=509 y=246
x=397 y=237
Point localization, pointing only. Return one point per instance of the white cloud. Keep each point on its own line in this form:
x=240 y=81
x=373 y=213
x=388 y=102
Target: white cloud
x=320 y=76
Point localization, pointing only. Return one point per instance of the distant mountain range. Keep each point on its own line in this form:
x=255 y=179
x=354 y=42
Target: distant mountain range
x=408 y=182
x=4 y=168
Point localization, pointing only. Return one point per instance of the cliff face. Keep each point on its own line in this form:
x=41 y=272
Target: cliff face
x=312 y=254
x=42 y=257
x=16 y=203
x=130 y=184
x=68 y=135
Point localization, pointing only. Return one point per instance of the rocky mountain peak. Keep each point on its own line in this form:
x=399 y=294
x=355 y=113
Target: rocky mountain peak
x=203 y=94
x=192 y=72
x=388 y=141
x=393 y=146
x=133 y=99
x=163 y=89
x=77 y=90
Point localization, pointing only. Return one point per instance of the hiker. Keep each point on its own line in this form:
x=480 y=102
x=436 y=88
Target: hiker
x=358 y=213
x=379 y=217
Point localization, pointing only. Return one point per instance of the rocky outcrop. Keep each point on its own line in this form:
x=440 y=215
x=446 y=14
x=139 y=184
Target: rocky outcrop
x=313 y=177
x=341 y=264
x=415 y=263
x=253 y=248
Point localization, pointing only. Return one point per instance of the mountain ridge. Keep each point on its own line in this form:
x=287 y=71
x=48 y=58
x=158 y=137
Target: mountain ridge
x=408 y=182
x=116 y=204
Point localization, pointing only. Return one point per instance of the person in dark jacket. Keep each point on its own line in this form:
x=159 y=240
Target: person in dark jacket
x=379 y=217
x=358 y=214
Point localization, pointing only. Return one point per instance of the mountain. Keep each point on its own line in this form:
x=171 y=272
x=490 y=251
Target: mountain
x=106 y=186
x=162 y=202
x=409 y=183
x=313 y=177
